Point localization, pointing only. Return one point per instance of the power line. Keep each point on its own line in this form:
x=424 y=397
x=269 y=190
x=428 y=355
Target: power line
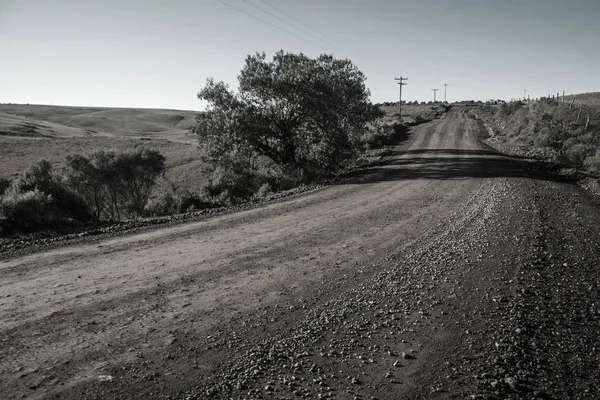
x=333 y=42
x=270 y=24
x=315 y=30
x=279 y=18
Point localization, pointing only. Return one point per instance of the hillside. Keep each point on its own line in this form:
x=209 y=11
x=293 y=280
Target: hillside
x=548 y=130
x=63 y=121
x=29 y=133
x=590 y=99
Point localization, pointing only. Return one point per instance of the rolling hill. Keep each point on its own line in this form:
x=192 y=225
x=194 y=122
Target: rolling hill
x=29 y=133
x=62 y=121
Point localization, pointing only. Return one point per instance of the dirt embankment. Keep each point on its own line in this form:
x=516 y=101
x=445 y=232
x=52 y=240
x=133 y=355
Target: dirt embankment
x=448 y=272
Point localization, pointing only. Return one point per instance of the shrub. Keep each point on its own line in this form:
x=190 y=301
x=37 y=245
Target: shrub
x=263 y=191
x=65 y=204
x=577 y=153
x=592 y=163
x=381 y=134
x=4 y=184
x=25 y=210
x=229 y=185
x=420 y=119
x=115 y=185
x=165 y=204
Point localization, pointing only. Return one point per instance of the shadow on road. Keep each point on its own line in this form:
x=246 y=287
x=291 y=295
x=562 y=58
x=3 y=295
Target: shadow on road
x=452 y=164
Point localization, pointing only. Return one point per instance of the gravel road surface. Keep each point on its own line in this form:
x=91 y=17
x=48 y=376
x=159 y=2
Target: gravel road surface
x=448 y=271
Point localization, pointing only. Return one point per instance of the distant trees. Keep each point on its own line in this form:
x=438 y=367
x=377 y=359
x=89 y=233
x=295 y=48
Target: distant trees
x=304 y=115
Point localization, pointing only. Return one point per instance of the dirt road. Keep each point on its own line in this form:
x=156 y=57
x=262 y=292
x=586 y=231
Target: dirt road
x=449 y=271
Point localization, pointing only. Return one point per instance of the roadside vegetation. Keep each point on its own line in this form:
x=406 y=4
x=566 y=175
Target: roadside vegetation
x=104 y=186
x=565 y=133
x=295 y=121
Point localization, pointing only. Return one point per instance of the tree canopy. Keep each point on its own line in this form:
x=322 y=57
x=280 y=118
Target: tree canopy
x=305 y=114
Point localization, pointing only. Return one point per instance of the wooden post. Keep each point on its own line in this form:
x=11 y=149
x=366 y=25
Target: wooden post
x=578 y=114
x=570 y=107
x=563 y=96
x=587 y=122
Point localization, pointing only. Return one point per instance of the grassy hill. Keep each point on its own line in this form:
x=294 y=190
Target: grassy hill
x=60 y=121
x=589 y=99
x=549 y=130
x=29 y=133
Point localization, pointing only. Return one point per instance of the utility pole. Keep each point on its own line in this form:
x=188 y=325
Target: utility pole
x=524 y=94
x=401 y=83
x=445 y=88
x=434 y=93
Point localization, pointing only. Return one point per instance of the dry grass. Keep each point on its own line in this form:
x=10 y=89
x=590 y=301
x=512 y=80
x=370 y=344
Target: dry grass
x=410 y=112
x=29 y=133
x=59 y=121
x=590 y=99
x=550 y=131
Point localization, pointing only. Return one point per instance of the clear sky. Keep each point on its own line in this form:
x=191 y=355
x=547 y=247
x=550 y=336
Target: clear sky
x=148 y=53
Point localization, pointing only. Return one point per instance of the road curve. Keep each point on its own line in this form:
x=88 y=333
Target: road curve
x=405 y=281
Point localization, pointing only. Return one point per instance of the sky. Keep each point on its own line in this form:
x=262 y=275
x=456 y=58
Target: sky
x=158 y=54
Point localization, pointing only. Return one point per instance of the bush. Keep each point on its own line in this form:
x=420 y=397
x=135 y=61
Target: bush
x=229 y=185
x=381 y=134
x=115 y=185
x=263 y=191
x=592 y=163
x=420 y=119
x=187 y=201
x=577 y=153
x=165 y=204
x=4 y=184
x=25 y=210
x=65 y=204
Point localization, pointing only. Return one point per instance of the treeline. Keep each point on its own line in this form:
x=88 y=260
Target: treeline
x=103 y=186
x=549 y=130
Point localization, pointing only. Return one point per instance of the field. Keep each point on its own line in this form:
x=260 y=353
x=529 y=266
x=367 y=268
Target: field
x=29 y=133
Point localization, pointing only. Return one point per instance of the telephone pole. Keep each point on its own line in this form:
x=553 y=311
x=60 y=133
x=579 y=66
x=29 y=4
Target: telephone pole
x=445 y=88
x=525 y=94
x=434 y=93
x=401 y=83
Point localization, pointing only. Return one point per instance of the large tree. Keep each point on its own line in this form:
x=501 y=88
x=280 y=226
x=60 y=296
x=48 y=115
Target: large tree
x=305 y=114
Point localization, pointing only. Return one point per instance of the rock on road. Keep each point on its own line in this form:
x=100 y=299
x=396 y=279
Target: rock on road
x=448 y=271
